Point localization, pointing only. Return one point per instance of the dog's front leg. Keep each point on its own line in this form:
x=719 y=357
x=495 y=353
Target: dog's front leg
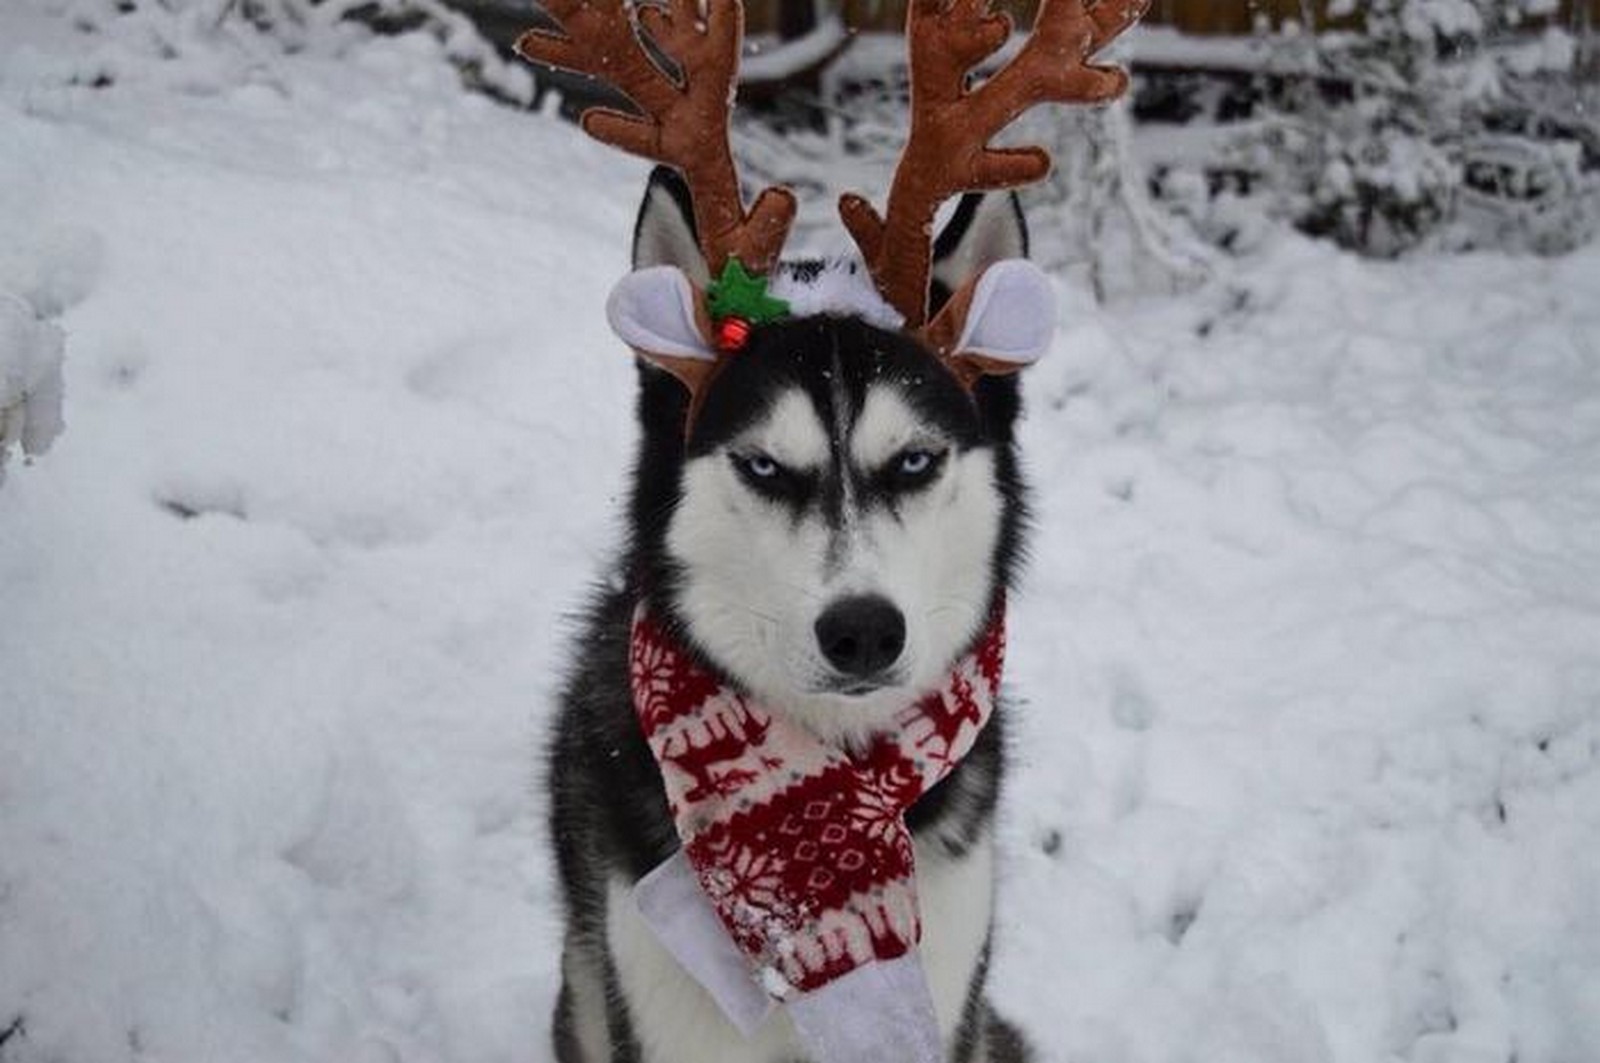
x=582 y=1027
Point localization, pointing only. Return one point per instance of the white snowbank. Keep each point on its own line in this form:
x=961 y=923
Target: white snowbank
x=1308 y=750
x=44 y=269
x=30 y=379
x=1309 y=654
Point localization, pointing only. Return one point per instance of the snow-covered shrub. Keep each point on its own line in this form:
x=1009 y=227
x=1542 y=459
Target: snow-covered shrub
x=30 y=379
x=1429 y=124
x=1354 y=174
x=1521 y=192
x=206 y=45
x=1094 y=214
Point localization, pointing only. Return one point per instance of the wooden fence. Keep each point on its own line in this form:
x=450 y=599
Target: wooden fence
x=1239 y=16
x=1191 y=16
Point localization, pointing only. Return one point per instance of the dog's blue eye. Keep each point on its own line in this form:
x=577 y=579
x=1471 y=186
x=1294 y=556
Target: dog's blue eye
x=761 y=466
x=773 y=481
x=912 y=469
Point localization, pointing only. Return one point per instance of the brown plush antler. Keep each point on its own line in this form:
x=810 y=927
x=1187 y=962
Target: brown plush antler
x=681 y=123
x=947 y=151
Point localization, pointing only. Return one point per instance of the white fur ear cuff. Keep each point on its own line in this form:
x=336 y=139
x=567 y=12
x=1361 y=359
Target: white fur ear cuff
x=1012 y=317
x=653 y=311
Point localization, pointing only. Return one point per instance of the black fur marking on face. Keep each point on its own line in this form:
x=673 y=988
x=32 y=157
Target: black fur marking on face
x=794 y=488
x=835 y=362
x=910 y=471
x=800 y=355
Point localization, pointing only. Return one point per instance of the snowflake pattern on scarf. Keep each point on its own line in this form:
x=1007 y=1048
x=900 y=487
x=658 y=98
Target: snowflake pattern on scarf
x=802 y=848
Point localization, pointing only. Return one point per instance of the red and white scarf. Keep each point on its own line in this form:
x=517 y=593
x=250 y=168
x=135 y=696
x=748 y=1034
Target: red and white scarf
x=802 y=848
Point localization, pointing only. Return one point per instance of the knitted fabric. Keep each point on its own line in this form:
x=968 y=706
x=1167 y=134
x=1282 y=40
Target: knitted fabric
x=802 y=848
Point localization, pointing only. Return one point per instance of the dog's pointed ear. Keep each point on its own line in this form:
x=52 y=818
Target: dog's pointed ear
x=986 y=228
x=993 y=311
x=997 y=323
x=664 y=233
x=659 y=309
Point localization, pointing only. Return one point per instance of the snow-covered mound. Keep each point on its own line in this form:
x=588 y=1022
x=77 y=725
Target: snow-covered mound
x=42 y=272
x=1309 y=742
x=30 y=378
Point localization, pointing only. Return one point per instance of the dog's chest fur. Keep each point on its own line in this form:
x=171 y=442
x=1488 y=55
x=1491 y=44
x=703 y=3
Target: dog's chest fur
x=683 y=1023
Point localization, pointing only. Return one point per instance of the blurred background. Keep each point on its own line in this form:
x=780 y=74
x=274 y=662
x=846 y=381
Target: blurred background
x=1382 y=125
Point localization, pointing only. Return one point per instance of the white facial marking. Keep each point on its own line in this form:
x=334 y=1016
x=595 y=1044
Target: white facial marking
x=757 y=575
x=790 y=434
x=886 y=427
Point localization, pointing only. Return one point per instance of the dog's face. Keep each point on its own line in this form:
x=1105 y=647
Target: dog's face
x=841 y=521
x=836 y=529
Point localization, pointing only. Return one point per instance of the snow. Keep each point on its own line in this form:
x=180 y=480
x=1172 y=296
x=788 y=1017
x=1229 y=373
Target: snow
x=1311 y=659
x=871 y=53
x=1164 y=46
x=30 y=378
x=38 y=279
x=783 y=59
x=1309 y=742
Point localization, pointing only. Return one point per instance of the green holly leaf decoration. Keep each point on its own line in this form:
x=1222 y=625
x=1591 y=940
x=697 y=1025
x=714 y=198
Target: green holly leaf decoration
x=738 y=294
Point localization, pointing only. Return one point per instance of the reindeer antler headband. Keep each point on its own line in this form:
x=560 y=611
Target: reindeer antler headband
x=683 y=122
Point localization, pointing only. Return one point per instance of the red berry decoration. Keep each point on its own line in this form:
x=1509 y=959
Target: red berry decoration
x=738 y=301
x=732 y=334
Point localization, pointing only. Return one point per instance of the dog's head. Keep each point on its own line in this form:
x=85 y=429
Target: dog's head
x=839 y=520
x=827 y=500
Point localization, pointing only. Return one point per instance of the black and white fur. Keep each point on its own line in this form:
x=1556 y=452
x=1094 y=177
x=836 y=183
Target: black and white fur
x=833 y=461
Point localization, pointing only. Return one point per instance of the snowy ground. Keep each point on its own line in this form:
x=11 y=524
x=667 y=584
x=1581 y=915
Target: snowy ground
x=1309 y=762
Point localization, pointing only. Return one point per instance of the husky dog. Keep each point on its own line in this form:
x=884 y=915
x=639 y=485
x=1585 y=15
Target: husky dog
x=831 y=536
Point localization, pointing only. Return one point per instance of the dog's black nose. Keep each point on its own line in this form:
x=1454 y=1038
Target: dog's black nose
x=861 y=636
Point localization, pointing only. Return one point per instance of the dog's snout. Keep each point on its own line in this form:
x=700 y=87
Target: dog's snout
x=861 y=636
